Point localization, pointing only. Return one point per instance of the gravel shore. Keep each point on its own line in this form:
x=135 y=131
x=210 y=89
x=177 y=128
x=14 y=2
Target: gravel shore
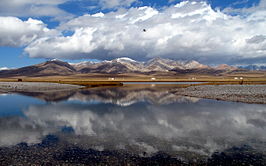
x=255 y=94
x=6 y=87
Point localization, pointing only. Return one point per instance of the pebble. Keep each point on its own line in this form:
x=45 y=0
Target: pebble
x=255 y=94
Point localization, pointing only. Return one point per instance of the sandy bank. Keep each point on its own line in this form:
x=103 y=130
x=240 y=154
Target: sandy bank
x=239 y=93
x=6 y=87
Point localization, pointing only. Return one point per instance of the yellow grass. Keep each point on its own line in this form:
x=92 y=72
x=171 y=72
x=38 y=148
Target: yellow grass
x=109 y=79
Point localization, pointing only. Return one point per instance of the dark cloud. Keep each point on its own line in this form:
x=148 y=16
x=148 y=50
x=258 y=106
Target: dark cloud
x=256 y=39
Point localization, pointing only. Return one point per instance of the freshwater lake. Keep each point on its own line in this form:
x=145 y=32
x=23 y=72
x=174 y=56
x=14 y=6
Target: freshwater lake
x=161 y=83
x=129 y=125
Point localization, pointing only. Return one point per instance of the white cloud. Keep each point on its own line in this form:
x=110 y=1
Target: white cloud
x=189 y=30
x=115 y=3
x=245 y=11
x=27 y=8
x=15 y=32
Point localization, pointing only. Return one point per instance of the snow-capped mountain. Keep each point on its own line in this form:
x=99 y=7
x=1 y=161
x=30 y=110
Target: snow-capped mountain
x=125 y=59
x=129 y=63
x=121 y=65
x=81 y=65
x=159 y=64
x=116 y=66
x=194 y=64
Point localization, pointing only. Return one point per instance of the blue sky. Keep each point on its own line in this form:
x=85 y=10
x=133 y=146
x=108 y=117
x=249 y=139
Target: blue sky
x=51 y=33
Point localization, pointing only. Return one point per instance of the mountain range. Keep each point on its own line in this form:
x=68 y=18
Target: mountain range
x=117 y=66
x=254 y=67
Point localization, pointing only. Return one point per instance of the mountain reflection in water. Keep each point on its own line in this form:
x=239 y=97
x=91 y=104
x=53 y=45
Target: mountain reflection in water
x=140 y=121
x=123 y=96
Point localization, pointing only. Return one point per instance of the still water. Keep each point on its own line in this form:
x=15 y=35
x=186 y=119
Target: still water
x=129 y=125
x=162 y=83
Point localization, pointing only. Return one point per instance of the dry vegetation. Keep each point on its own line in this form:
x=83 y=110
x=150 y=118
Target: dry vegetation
x=110 y=79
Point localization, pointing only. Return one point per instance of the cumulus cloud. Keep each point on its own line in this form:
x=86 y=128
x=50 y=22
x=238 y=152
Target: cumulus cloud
x=115 y=3
x=257 y=39
x=15 y=32
x=247 y=10
x=188 y=30
x=25 y=8
x=36 y=8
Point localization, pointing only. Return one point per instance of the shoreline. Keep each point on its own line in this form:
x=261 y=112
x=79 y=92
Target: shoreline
x=252 y=94
x=13 y=87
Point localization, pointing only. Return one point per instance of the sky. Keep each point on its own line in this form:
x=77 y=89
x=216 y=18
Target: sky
x=209 y=31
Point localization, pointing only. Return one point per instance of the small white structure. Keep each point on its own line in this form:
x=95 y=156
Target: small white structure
x=111 y=79
x=236 y=78
x=153 y=79
x=241 y=78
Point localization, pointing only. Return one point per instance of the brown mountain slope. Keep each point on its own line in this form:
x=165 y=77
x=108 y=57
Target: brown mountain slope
x=118 y=66
x=49 y=68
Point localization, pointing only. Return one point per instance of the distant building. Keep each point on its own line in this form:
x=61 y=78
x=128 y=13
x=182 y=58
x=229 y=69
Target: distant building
x=236 y=78
x=153 y=79
x=111 y=79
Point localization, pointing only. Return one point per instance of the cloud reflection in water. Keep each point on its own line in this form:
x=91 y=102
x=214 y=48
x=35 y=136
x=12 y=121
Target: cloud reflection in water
x=201 y=127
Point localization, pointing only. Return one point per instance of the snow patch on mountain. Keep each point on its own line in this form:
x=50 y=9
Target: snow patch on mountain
x=4 y=68
x=125 y=59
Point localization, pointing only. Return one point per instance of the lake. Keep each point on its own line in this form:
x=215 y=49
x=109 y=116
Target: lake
x=162 y=83
x=146 y=125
